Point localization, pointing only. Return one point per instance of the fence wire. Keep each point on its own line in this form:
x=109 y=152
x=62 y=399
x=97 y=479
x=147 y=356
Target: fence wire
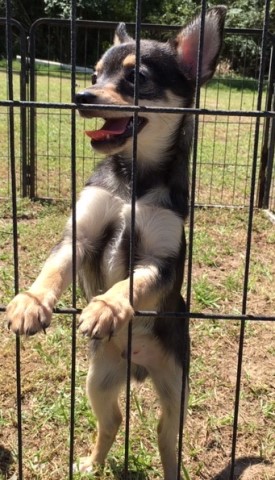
x=25 y=172
x=224 y=167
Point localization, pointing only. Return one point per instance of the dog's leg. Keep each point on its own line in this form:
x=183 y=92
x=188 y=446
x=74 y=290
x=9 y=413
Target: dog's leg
x=167 y=381
x=105 y=378
x=31 y=311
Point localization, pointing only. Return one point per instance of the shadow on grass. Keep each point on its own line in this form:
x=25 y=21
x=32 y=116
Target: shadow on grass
x=131 y=475
x=115 y=469
x=241 y=464
x=118 y=471
x=6 y=460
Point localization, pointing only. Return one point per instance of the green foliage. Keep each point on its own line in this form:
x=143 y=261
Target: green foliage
x=244 y=14
x=178 y=13
x=104 y=9
x=241 y=14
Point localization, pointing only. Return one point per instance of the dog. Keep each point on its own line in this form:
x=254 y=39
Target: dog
x=160 y=345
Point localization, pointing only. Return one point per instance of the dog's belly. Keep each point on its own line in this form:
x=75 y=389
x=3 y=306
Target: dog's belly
x=146 y=349
x=146 y=352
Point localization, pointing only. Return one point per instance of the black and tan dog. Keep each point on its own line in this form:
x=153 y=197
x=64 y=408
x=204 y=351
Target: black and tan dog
x=167 y=77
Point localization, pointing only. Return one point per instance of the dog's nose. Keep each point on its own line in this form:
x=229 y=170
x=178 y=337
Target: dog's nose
x=85 y=97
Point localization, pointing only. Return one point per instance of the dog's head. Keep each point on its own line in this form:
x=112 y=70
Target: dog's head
x=167 y=78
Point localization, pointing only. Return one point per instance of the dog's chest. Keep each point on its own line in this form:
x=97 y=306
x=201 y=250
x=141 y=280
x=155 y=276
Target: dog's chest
x=115 y=258
x=156 y=236
x=104 y=227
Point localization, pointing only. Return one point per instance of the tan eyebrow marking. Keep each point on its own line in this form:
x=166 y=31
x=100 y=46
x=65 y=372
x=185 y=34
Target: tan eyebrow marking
x=129 y=61
x=99 y=66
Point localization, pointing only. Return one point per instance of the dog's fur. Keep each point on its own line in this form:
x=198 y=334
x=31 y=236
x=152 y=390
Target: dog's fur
x=160 y=345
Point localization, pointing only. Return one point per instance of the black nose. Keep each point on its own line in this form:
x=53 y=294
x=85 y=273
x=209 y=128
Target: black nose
x=85 y=97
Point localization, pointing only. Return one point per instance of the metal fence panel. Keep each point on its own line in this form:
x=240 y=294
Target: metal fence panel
x=224 y=166
x=19 y=79
x=58 y=164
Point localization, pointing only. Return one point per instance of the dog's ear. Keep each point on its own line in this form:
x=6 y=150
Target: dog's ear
x=121 y=35
x=187 y=44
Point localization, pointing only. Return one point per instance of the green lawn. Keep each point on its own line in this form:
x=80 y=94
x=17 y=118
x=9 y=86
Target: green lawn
x=225 y=144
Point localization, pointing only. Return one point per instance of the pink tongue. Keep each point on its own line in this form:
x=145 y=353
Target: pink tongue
x=114 y=126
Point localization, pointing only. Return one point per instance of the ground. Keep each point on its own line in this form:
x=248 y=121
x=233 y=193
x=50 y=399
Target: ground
x=217 y=281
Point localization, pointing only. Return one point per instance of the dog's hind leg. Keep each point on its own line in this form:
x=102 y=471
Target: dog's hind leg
x=168 y=384
x=105 y=378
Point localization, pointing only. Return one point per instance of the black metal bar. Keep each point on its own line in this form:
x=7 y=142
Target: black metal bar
x=15 y=231
x=194 y=159
x=23 y=114
x=107 y=25
x=32 y=116
x=248 y=244
x=269 y=151
x=270 y=160
x=132 y=239
x=240 y=124
x=140 y=109
x=198 y=315
x=23 y=95
x=262 y=201
x=191 y=227
x=74 y=234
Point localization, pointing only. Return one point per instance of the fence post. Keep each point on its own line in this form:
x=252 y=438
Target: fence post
x=19 y=31
x=270 y=159
x=267 y=153
x=32 y=117
x=24 y=135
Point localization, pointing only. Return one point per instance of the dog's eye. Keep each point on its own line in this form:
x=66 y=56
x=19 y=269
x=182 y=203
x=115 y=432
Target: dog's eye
x=94 y=78
x=130 y=77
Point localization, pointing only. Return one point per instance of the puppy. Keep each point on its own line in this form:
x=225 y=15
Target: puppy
x=160 y=345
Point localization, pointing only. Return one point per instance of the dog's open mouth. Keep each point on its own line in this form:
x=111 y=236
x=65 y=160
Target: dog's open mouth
x=115 y=130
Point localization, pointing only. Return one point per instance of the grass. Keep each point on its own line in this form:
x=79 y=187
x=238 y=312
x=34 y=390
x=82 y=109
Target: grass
x=53 y=138
x=220 y=237
x=224 y=166
x=46 y=360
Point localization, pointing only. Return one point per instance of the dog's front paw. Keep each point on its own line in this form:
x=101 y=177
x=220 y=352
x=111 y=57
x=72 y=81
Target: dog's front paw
x=105 y=315
x=28 y=314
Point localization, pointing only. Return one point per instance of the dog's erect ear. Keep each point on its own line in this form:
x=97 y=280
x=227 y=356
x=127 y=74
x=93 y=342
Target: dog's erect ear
x=121 y=35
x=187 y=44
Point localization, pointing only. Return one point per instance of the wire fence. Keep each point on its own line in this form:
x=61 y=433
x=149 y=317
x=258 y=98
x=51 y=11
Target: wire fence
x=45 y=155
x=43 y=150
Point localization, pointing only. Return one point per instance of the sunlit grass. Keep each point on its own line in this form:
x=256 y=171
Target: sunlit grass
x=225 y=144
